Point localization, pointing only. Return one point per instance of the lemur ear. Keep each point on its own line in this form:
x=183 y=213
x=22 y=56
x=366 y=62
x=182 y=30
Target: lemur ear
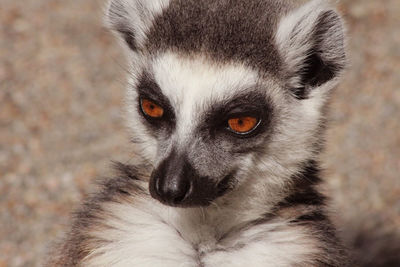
x=133 y=18
x=311 y=42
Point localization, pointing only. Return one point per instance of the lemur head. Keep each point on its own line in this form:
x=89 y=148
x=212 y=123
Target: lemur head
x=225 y=92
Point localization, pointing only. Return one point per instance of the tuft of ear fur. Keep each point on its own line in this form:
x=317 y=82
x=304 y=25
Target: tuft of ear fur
x=311 y=42
x=131 y=19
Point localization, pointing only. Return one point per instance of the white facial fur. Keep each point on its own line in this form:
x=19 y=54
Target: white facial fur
x=190 y=84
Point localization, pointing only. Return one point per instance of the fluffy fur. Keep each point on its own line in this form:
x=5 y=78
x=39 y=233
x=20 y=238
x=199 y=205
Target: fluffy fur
x=253 y=199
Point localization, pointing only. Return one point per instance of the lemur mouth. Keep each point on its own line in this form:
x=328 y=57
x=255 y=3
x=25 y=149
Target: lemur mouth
x=203 y=194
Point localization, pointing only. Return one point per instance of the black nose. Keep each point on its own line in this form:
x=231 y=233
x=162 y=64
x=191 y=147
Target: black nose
x=173 y=189
x=175 y=182
x=170 y=182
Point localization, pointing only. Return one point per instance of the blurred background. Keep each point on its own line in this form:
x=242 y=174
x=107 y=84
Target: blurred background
x=61 y=88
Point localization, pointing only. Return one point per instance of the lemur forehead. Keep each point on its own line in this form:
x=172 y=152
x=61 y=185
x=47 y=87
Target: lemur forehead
x=236 y=30
x=197 y=79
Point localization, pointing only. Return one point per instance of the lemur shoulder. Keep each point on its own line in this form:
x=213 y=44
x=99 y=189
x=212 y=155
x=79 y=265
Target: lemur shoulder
x=226 y=103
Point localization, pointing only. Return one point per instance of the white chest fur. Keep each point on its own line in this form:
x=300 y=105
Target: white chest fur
x=151 y=234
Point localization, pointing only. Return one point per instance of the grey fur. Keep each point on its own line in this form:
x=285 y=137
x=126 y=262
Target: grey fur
x=225 y=30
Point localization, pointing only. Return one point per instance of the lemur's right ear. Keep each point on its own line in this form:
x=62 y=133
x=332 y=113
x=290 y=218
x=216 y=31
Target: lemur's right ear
x=133 y=18
x=312 y=45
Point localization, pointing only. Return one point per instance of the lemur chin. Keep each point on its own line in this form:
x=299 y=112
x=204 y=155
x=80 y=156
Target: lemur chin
x=226 y=105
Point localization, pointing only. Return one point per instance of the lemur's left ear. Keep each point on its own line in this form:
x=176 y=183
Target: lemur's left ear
x=311 y=42
x=132 y=18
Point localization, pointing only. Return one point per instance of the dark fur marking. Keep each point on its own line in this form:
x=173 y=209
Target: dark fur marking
x=303 y=188
x=308 y=196
x=129 y=38
x=253 y=103
x=317 y=72
x=226 y=184
x=129 y=171
x=224 y=30
x=314 y=216
x=149 y=89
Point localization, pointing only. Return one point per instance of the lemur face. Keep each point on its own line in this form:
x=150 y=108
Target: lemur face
x=208 y=121
x=222 y=91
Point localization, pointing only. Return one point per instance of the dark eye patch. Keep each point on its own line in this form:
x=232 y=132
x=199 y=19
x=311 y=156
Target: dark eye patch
x=246 y=104
x=148 y=89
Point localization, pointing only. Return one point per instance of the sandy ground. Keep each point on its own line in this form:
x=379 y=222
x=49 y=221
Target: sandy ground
x=61 y=89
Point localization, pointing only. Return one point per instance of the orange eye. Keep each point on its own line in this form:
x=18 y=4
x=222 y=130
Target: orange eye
x=151 y=109
x=242 y=124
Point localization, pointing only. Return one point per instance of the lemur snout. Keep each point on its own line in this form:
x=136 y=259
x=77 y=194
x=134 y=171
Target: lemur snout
x=172 y=190
x=175 y=182
x=171 y=181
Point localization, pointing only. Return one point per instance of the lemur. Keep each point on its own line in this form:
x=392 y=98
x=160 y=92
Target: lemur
x=226 y=102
